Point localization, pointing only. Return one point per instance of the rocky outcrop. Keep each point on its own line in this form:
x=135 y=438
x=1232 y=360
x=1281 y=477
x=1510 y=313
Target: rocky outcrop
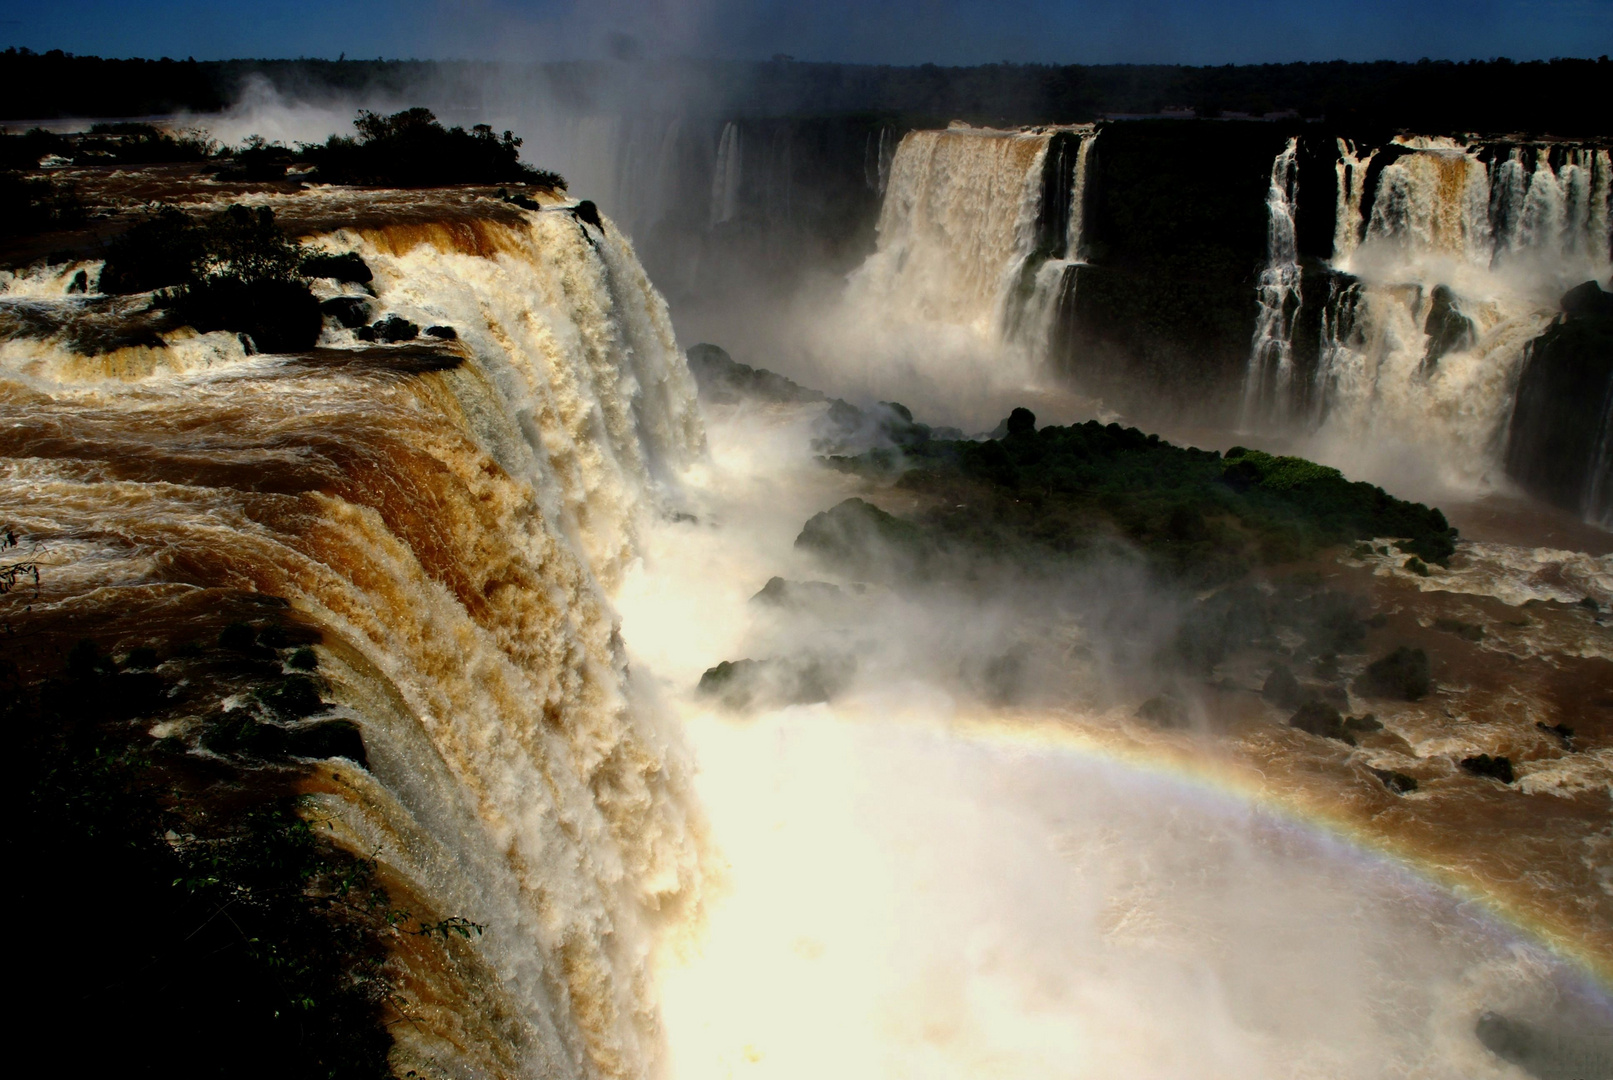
x=1560 y=440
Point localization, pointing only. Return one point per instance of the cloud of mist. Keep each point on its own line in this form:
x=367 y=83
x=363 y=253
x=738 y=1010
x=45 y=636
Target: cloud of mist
x=926 y=881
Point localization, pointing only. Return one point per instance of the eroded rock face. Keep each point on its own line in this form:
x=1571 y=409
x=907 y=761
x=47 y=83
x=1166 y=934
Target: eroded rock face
x=1447 y=328
x=1560 y=442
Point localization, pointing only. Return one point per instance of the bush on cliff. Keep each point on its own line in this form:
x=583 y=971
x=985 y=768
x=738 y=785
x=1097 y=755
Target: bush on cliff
x=412 y=149
x=236 y=270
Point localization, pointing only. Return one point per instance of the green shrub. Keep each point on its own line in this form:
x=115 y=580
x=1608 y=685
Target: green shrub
x=411 y=149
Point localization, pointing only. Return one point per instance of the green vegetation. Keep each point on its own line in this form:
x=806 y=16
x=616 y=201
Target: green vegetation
x=1037 y=497
x=411 y=149
x=235 y=270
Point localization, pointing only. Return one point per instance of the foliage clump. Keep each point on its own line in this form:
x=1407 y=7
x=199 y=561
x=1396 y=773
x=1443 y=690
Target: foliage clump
x=412 y=149
x=1061 y=492
x=236 y=270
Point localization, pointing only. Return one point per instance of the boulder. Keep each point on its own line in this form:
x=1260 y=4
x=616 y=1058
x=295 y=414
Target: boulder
x=1320 y=718
x=1397 y=782
x=1281 y=688
x=1402 y=675
x=588 y=212
x=350 y=311
x=442 y=333
x=1498 y=768
x=347 y=268
x=1447 y=328
x=1364 y=724
x=723 y=379
x=1562 y=731
x=395 y=328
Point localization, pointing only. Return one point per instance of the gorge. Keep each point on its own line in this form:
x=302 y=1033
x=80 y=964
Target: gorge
x=872 y=697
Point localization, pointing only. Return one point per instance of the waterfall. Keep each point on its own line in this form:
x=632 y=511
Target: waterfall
x=1271 y=357
x=1351 y=170
x=1074 y=250
x=725 y=177
x=977 y=228
x=1459 y=266
x=455 y=531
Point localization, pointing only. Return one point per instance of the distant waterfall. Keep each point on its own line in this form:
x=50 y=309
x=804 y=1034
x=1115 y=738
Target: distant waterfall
x=455 y=530
x=725 y=177
x=1271 y=358
x=978 y=227
x=1462 y=255
x=1350 y=171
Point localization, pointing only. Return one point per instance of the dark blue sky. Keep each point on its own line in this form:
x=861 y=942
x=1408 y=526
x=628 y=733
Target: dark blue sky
x=894 y=31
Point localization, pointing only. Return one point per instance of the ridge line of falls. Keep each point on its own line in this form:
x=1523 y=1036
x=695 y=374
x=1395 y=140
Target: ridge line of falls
x=1271 y=357
x=455 y=530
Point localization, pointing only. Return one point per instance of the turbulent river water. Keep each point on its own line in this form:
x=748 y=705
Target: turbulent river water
x=525 y=546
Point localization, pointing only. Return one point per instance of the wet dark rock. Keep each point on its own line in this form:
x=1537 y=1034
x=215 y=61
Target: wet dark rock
x=1402 y=675
x=860 y=537
x=348 y=268
x=1499 y=768
x=1363 y=724
x=1320 y=718
x=1447 y=328
x=293 y=697
x=238 y=637
x=304 y=659
x=80 y=282
x=1559 y=441
x=1587 y=298
x=586 y=211
x=443 y=333
x=394 y=328
x=328 y=739
x=1573 y=1054
x=808 y=680
x=721 y=378
x=350 y=311
x=1163 y=711
x=1417 y=566
x=797 y=594
x=1562 y=731
x=1282 y=689
x=1397 y=782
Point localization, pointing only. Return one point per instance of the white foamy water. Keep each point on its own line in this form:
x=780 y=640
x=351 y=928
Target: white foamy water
x=453 y=533
x=1507 y=240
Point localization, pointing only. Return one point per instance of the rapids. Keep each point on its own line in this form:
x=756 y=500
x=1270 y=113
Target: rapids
x=453 y=531
x=523 y=551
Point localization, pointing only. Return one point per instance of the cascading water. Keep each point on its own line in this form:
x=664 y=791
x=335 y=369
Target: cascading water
x=1271 y=360
x=453 y=532
x=977 y=230
x=1458 y=265
x=726 y=176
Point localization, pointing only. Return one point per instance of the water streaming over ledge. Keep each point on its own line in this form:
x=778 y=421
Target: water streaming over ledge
x=452 y=527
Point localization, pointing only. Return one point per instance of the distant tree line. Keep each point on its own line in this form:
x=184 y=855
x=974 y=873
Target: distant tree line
x=1564 y=97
